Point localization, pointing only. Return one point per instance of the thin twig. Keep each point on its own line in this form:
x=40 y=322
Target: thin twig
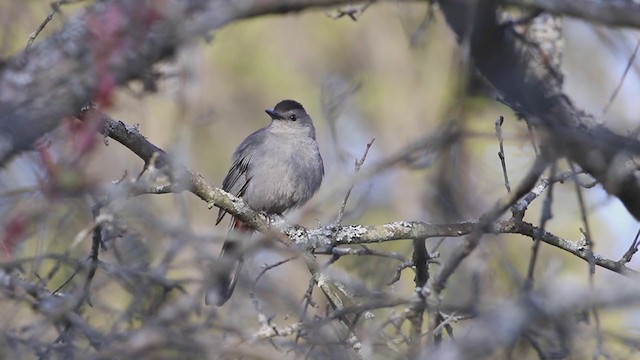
x=358 y=165
x=308 y=301
x=435 y=322
x=32 y=37
x=55 y=7
x=544 y=217
x=262 y=272
x=399 y=268
x=452 y=318
x=533 y=138
x=96 y=242
x=270 y=267
x=421 y=261
x=626 y=258
x=351 y=11
x=364 y=251
x=622 y=78
x=470 y=243
x=591 y=260
x=499 y=123
x=264 y=321
x=417 y=37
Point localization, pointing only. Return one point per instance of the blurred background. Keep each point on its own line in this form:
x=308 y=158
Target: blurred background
x=385 y=76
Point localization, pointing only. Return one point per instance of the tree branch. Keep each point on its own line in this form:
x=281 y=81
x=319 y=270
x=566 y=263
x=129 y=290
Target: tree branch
x=332 y=235
x=88 y=58
x=607 y=12
x=104 y=46
x=528 y=87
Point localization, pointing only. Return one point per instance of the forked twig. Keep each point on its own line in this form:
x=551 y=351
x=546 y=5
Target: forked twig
x=358 y=165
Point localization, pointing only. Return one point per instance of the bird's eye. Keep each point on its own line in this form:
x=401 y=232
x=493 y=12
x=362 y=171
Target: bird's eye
x=292 y=117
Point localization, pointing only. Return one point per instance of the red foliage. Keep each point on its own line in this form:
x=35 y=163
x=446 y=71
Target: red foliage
x=114 y=32
x=84 y=135
x=106 y=31
x=45 y=156
x=12 y=236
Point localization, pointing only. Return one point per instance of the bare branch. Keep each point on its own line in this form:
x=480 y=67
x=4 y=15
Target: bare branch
x=622 y=78
x=626 y=258
x=499 y=123
x=483 y=226
x=347 y=234
x=421 y=262
x=544 y=218
x=528 y=86
x=91 y=56
x=614 y=13
x=357 y=167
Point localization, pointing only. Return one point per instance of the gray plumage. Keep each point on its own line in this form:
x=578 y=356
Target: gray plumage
x=275 y=169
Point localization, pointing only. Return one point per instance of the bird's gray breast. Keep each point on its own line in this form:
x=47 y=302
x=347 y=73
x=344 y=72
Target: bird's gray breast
x=284 y=173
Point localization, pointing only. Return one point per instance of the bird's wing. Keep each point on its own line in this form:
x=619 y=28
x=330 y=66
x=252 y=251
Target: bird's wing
x=236 y=181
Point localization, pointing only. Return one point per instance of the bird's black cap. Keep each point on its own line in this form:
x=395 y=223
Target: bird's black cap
x=287 y=105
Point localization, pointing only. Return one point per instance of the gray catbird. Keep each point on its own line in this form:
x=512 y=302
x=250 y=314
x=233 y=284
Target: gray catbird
x=275 y=169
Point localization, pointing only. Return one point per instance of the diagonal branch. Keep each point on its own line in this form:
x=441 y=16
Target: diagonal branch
x=527 y=86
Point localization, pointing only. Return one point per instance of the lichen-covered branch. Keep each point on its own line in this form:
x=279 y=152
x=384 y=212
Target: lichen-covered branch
x=112 y=42
x=330 y=235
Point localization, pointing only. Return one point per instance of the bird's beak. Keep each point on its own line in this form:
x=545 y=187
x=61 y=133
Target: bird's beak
x=274 y=115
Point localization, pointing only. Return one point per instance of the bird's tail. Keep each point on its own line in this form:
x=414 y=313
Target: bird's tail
x=231 y=260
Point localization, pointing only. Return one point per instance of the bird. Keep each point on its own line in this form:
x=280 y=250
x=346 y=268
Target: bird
x=275 y=169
